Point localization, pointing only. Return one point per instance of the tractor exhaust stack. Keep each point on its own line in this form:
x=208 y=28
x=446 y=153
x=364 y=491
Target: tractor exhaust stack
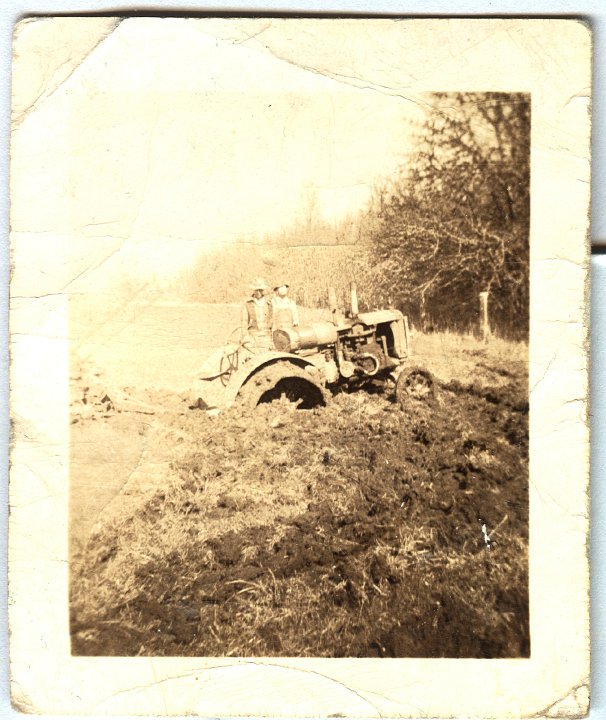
x=354 y=300
x=332 y=304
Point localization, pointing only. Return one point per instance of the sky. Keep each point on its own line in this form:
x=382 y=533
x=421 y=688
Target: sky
x=174 y=140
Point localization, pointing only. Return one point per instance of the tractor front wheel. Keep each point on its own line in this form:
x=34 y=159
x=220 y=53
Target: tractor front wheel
x=414 y=384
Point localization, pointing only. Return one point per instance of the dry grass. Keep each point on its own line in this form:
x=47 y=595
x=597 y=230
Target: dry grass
x=467 y=358
x=498 y=350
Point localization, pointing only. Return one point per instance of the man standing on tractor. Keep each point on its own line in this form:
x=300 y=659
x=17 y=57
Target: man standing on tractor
x=284 y=310
x=256 y=321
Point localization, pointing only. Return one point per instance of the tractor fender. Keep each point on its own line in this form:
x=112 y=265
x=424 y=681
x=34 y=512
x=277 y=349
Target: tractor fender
x=256 y=363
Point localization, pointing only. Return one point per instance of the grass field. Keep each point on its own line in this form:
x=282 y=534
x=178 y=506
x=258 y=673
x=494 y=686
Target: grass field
x=351 y=530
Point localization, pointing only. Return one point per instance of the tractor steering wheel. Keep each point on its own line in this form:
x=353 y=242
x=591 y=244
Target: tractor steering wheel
x=230 y=360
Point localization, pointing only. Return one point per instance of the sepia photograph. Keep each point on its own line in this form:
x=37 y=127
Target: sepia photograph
x=306 y=432
x=297 y=359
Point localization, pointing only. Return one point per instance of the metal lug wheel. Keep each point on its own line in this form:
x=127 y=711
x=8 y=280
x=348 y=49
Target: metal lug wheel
x=415 y=384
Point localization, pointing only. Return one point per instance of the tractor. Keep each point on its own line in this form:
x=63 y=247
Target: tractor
x=309 y=362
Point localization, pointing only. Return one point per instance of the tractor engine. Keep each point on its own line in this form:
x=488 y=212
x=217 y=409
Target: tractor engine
x=361 y=354
x=352 y=348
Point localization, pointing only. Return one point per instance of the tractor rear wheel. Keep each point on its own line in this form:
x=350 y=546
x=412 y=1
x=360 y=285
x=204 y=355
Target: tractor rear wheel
x=283 y=379
x=414 y=383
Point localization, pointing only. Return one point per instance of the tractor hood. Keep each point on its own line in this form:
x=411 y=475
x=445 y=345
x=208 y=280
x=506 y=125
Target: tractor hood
x=375 y=317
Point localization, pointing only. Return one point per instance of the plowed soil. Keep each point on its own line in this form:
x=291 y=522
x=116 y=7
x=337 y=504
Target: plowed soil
x=359 y=529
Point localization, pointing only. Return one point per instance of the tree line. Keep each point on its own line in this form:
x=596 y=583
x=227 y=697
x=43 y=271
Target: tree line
x=452 y=222
x=456 y=221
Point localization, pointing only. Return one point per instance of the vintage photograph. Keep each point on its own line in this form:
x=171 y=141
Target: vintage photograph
x=299 y=367
x=299 y=398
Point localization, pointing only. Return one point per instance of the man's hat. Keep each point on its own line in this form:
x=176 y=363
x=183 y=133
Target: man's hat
x=258 y=284
x=286 y=285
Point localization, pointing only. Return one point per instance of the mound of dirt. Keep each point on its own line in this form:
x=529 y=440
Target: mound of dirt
x=356 y=529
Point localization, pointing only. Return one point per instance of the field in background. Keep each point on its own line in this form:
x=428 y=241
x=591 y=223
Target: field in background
x=232 y=535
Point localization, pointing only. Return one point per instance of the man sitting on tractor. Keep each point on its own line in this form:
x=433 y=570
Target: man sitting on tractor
x=284 y=309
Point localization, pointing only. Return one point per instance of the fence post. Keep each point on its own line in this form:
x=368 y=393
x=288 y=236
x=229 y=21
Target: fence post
x=484 y=322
